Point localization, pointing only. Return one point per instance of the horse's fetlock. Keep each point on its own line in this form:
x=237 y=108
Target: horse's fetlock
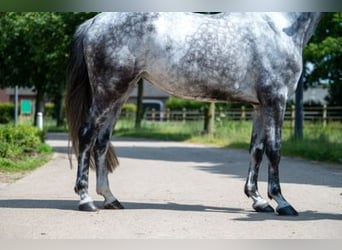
x=273 y=191
x=250 y=190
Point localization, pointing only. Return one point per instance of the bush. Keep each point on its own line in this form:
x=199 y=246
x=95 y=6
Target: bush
x=175 y=103
x=129 y=107
x=6 y=113
x=20 y=140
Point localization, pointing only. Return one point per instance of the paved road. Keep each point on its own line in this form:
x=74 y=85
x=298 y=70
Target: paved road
x=171 y=190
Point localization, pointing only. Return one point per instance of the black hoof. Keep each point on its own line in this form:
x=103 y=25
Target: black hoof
x=88 y=207
x=267 y=209
x=114 y=205
x=287 y=211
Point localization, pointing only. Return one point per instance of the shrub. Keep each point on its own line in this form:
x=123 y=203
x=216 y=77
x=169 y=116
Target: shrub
x=20 y=140
x=175 y=103
x=6 y=113
x=129 y=107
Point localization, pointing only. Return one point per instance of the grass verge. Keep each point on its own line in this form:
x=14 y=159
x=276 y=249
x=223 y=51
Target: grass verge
x=319 y=143
x=22 y=148
x=26 y=163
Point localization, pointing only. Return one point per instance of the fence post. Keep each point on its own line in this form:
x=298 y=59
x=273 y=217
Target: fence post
x=243 y=113
x=293 y=116
x=184 y=114
x=211 y=114
x=153 y=114
x=167 y=114
x=221 y=112
x=325 y=111
x=209 y=119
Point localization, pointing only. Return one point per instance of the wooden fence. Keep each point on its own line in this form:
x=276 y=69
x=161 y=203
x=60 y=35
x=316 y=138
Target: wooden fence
x=322 y=114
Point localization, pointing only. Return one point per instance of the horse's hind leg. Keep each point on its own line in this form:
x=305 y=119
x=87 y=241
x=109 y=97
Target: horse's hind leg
x=86 y=138
x=273 y=128
x=256 y=150
x=101 y=148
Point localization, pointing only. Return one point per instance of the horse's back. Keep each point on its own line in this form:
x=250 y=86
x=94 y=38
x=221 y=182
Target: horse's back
x=221 y=57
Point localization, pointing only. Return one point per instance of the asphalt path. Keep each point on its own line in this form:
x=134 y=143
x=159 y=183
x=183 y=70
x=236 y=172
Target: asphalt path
x=172 y=190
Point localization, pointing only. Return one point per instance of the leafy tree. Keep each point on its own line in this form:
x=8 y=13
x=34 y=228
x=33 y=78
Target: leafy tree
x=13 y=50
x=324 y=55
x=29 y=48
x=70 y=21
x=322 y=58
x=34 y=52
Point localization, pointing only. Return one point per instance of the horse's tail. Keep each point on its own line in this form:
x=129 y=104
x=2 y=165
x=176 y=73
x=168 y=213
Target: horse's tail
x=78 y=97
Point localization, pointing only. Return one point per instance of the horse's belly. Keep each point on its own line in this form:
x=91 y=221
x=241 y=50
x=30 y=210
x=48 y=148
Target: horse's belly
x=205 y=89
x=216 y=93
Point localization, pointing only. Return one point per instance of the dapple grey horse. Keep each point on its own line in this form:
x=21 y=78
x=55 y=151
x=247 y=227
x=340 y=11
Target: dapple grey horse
x=254 y=58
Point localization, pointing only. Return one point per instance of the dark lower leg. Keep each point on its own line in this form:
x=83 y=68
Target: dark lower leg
x=256 y=151
x=251 y=186
x=274 y=190
x=81 y=187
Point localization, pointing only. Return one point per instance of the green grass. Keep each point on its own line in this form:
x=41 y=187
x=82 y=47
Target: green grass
x=22 y=148
x=25 y=163
x=319 y=144
x=175 y=131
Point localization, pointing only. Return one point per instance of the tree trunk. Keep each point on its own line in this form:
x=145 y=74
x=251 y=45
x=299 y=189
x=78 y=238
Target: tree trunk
x=58 y=107
x=299 y=110
x=59 y=110
x=139 y=112
x=16 y=105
